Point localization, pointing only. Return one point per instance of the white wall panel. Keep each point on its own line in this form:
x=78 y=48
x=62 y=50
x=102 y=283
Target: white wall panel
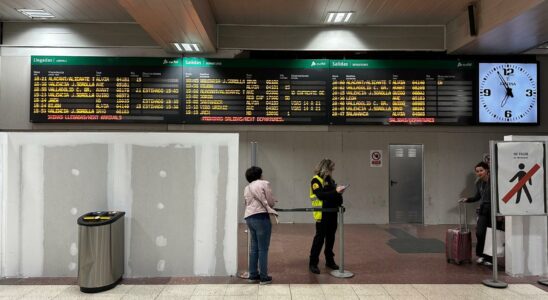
x=56 y=177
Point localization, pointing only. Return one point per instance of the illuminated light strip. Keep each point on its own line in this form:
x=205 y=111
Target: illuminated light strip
x=339 y=17
x=187 y=47
x=35 y=13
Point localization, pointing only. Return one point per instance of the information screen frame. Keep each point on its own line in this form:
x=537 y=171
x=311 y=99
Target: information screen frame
x=260 y=69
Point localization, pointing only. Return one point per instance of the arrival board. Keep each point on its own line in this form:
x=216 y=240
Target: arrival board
x=103 y=89
x=401 y=92
x=255 y=91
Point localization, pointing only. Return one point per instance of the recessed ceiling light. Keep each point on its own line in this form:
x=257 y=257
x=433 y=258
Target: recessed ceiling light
x=187 y=47
x=339 y=17
x=35 y=13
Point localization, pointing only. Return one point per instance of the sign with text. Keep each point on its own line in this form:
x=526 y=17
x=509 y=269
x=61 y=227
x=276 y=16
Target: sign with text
x=521 y=178
x=375 y=158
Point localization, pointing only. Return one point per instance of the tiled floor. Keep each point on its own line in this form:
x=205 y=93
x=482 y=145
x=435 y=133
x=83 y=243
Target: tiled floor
x=380 y=273
x=279 y=291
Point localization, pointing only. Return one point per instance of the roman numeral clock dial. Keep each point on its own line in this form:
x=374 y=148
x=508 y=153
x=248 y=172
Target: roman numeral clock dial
x=508 y=93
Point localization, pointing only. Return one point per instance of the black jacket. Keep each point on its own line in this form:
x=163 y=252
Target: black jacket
x=328 y=194
x=483 y=194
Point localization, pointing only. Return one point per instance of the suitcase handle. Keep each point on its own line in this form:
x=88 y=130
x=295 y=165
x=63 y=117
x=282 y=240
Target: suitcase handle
x=463 y=224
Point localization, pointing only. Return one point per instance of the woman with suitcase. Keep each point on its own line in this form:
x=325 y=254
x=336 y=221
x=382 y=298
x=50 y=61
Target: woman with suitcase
x=483 y=194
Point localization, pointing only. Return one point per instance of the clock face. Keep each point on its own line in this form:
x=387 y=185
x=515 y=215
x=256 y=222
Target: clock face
x=508 y=93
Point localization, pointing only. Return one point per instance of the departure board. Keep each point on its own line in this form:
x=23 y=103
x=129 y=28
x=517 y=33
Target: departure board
x=401 y=92
x=105 y=89
x=255 y=91
x=252 y=91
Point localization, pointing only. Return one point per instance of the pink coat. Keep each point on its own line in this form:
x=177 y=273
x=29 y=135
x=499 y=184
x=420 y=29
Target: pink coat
x=259 y=190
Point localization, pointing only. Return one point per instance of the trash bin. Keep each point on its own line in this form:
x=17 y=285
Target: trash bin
x=100 y=250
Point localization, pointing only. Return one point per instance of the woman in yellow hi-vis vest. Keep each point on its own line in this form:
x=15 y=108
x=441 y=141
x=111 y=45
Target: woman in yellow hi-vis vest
x=324 y=193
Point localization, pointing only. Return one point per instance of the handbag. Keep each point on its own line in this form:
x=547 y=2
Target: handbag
x=273 y=216
x=488 y=248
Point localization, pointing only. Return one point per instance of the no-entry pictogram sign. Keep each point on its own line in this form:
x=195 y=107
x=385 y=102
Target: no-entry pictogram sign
x=520 y=178
x=375 y=158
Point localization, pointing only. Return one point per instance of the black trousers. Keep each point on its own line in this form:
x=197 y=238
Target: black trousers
x=325 y=231
x=484 y=221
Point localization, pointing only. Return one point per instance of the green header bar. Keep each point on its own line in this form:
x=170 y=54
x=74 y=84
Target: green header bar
x=199 y=62
x=105 y=61
x=400 y=64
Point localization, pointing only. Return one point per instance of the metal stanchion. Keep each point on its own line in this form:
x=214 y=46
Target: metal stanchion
x=543 y=281
x=341 y=272
x=494 y=282
x=245 y=274
x=254 y=150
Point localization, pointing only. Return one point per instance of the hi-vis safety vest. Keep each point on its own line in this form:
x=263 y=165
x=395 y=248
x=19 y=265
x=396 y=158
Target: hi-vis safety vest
x=315 y=201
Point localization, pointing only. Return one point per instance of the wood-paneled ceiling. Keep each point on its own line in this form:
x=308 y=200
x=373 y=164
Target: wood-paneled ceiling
x=67 y=10
x=314 y=12
x=199 y=21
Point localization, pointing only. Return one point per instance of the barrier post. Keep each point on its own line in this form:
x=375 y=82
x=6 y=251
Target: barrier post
x=341 y=272
x=544 y=280
x=494 y=282
x=254 y=150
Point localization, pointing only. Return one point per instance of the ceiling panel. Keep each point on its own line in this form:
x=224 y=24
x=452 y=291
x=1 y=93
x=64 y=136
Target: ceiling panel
x=67 y=10
x=313 y=12
x=167 y=21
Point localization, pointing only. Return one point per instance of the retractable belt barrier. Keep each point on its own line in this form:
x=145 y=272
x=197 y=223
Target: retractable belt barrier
x=334 y=209
x=341 y=272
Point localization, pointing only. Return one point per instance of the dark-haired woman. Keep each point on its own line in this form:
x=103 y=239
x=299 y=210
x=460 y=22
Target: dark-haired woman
x=259 y=202
x=483 y=194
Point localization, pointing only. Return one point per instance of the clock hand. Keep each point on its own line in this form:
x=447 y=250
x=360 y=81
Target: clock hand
x=503 y=102
x=509 y=92
x=504 y=83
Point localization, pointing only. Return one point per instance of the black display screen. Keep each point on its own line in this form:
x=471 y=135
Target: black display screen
x=401 y=92
x=252 y=91
x=99 y=89
x=255 y=91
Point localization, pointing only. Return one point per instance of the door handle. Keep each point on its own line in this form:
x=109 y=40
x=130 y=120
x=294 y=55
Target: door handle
x=392 y=182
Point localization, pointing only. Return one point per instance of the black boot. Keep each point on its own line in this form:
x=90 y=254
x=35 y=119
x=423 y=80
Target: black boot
x=314 y=269
x=332 y=265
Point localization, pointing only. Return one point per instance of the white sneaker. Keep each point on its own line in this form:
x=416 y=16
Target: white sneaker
x=486 y=263
x=480 y=260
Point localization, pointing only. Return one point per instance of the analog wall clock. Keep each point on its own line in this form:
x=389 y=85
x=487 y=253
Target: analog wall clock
x=508 y=93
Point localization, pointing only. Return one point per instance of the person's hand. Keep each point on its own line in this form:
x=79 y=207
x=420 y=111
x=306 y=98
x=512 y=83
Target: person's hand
x=462 y=200
x=340 y=189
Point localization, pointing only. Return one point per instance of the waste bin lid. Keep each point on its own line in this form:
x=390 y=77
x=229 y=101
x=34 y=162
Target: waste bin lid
x=98 y=218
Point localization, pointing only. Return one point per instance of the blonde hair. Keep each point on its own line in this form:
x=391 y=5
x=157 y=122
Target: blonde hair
x=324 y=167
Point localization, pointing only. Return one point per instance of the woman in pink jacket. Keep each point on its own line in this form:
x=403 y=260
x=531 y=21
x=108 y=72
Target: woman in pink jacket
x=258 y=204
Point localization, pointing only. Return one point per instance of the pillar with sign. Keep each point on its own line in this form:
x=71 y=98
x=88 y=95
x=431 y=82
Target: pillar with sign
x=526 y=236
x=518 y=185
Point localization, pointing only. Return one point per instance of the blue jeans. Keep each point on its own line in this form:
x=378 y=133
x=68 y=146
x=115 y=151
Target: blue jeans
x=260 y=230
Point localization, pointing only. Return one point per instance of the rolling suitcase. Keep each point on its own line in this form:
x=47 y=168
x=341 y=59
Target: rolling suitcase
x=458 y=242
